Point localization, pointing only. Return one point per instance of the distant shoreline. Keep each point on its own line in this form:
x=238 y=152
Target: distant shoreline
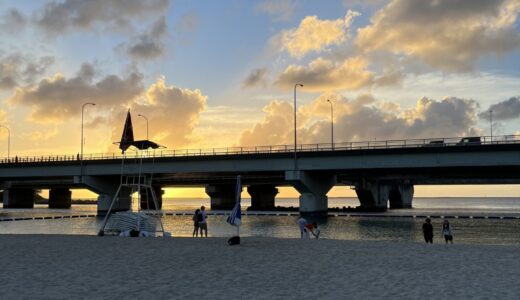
x=74 y=202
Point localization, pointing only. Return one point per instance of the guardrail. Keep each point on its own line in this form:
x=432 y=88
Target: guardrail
x=344 y=146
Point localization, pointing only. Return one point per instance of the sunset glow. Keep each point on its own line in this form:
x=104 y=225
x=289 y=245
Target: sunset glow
x=221 y=74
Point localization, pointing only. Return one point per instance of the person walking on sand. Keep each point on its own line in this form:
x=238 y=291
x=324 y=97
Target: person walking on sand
x=195 y=219
x=203 y=224
x=446 y=231
x=427 y=229
x=301 y=224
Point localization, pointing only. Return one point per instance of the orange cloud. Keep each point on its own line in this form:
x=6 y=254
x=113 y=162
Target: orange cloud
x=315 y=35
x=56 y=99
x=172 y=112
x=322 y=74
x=445 y=34
x=363 y=119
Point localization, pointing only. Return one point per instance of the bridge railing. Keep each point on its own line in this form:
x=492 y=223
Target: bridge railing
x=343 y=146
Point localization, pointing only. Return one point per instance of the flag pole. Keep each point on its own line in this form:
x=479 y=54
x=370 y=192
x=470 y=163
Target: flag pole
x=235 y=217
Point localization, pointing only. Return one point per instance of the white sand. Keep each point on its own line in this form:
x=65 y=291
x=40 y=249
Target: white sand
x=65 y=267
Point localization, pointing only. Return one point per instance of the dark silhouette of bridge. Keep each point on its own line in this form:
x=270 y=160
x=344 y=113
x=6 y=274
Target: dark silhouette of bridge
x=383 y=173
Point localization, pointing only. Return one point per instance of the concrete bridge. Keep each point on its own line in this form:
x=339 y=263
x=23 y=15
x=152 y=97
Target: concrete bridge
x=381 y=172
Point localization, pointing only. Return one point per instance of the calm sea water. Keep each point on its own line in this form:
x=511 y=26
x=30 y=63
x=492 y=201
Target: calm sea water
x=398 y=225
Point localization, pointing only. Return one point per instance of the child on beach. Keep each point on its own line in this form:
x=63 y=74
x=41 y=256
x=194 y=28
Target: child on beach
x=301 y=224
x=195 y=219
x=427 y=229
x=446 y=231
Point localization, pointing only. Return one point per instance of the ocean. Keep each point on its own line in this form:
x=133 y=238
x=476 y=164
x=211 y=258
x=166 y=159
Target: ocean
x=474 y=220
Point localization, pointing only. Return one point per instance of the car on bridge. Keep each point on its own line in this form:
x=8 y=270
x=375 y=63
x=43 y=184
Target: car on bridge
x=473 y=140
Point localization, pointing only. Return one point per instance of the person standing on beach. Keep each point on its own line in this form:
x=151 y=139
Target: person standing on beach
x=301 y=223
x=427 y=229
x=203 y=225
x=195 y=219
x=446 y=231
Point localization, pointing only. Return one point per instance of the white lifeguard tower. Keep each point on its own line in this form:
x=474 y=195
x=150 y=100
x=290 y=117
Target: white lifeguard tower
x=135 y=223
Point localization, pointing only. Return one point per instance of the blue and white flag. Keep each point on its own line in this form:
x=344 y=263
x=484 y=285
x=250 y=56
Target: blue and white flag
x=235 y=218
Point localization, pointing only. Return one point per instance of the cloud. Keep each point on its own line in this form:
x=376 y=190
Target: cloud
x=18 y=69
x=363 y=119
x=256 y=78
x=12 y=21
x=314 y=35
x=44 y=135
x=148 y=45
x=56 y=99
x=390 y=77
x=322 y=74
x=172 y=112
x=274 y=129
x=450 y=117
x=57 y=17
x=444 y=34
x=280 y=10
x=505 y=110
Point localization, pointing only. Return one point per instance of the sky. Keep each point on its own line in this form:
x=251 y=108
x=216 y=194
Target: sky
x=221 y=73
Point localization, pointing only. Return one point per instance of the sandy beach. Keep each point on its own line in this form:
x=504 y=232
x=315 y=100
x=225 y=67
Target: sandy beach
x=86 y=267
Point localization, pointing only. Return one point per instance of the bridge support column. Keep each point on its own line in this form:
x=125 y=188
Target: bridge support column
x=60 y=198
x=18 y=198
x=123 y=203
x=222 y=196
x=373 y=196
x=262 y=196
x=401 y=196
x=147 y=200
x=313 y=189
x=106 y=188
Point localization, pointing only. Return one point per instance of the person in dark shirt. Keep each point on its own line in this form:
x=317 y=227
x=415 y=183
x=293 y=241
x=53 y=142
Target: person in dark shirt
x=196 y=224
x=427 y=229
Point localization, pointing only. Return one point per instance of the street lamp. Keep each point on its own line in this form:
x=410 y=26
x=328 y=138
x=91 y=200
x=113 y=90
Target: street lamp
x=8 y=140
x=295 y=163
x=491 y=123
x=82 y=109
x=139 y=115
x=331 y=124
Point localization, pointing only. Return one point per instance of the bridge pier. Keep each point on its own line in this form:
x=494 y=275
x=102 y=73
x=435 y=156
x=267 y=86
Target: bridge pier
x=123 y=203
x=313 y=189
x=18 y=198
x=106 y=188
x=373 y=195
x=262 y=196
x=60 y=198
x=222 y=196
x=401 y=196
x=147 y=200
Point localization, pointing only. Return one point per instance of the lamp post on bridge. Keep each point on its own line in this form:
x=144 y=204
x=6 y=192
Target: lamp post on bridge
x=491 y=123
x=143 y=116
x=295 y=138
x=331 y=124
x=82 y=111
x=8 y=140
